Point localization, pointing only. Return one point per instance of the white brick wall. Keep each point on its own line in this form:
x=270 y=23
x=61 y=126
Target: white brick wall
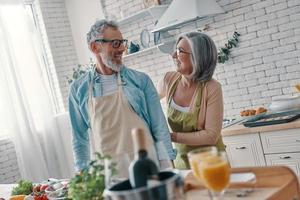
x=268 y=52
x=9 y=170
x=265 y=65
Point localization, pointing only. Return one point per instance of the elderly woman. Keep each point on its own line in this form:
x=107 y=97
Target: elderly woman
x=195 y=101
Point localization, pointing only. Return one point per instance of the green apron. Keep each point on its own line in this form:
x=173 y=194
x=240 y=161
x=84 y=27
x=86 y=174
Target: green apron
x=185 y=122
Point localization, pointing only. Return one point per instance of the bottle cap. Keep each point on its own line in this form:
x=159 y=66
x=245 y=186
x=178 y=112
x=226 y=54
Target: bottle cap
x=139 y=139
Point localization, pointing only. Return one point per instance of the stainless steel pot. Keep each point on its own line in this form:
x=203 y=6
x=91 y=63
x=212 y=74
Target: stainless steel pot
x=169 y=188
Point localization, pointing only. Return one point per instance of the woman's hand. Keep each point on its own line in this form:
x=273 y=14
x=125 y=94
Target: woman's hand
x=174 y=137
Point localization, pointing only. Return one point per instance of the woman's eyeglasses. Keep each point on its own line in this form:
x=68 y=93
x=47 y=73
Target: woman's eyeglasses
x=115 y=43
x=181 y=51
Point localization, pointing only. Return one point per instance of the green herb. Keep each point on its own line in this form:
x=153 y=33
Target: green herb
x=90 y=184
x=223 y=54
x=24 y=187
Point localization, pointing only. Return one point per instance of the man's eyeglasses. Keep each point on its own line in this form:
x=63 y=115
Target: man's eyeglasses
x=115 y=43
x=180 y=51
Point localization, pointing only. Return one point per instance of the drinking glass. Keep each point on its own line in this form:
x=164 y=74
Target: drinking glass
x=197 y=155
x=215 y=174
x=116 y=169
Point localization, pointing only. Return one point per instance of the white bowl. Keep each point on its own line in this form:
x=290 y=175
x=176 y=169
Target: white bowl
x=285 y=104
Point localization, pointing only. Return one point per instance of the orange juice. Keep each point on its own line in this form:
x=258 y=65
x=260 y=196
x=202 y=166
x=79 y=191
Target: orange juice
x=215 y=173
x=195 y=161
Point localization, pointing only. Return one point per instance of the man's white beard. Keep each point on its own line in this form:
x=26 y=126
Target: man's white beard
x=115 y=67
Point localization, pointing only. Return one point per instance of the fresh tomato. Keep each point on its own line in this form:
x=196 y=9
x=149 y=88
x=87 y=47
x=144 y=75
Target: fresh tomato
x=40 y=197
x=36 y=197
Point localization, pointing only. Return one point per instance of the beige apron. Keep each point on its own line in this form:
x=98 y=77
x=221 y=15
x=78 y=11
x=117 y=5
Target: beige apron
x=111 y=121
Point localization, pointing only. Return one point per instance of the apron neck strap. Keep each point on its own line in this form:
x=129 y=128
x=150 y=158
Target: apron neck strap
x=173 y=87
x=120 y=82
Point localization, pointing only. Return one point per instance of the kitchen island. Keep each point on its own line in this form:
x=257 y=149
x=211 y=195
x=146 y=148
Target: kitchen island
x=264 y=145
x=265 y=186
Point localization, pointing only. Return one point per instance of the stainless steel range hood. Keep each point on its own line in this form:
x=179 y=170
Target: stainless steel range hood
x=180 y=12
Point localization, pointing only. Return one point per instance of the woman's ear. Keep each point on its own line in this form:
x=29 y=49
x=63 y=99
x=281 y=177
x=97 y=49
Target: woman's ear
x=95 y=48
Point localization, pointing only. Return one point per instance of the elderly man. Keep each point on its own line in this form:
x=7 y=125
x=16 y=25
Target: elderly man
x=112 y=99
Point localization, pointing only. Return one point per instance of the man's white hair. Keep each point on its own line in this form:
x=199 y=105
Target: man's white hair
x=98 y=28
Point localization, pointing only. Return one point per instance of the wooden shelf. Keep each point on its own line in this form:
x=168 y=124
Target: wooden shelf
x=155 y=12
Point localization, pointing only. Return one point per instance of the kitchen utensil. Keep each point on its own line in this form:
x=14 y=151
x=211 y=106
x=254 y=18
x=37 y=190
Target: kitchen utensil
x=170 y=187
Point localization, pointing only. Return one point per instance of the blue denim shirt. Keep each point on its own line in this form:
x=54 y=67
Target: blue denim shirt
x=142 y=96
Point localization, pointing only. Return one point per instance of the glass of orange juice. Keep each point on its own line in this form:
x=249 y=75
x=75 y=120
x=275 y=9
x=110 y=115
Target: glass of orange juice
x=197 y=155
x=215 y=173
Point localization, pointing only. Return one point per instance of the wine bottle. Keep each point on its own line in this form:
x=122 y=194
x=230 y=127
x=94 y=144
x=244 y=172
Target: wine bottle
x=142 y=169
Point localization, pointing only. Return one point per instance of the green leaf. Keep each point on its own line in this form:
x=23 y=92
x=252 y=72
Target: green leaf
x=23 y=187
x=91 y=183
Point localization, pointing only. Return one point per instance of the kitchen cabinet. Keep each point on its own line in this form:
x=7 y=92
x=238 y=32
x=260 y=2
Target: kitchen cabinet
x=278 y=147
x=282 y=141
x=291 y=160
x=244 y=150
x=282 y=148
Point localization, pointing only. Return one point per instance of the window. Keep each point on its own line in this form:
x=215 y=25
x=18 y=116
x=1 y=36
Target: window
x=21 y=53
x=33 y=17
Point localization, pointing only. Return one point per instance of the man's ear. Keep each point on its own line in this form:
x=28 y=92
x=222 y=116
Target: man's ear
x=95 y=48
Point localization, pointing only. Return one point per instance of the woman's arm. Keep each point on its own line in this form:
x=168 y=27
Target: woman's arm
x=213 y=121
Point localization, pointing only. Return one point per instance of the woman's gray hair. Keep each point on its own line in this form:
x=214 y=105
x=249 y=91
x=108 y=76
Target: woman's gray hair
x=98 y=28
x=203 y=55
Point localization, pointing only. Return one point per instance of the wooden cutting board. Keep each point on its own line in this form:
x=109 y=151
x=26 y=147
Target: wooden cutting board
x=276 y=182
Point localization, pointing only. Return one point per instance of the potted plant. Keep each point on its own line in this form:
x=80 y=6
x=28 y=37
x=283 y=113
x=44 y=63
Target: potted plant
x=90 y=183
x=80 y=70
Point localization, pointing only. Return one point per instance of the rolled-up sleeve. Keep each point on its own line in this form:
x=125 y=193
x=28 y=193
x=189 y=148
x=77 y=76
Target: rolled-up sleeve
x=158 y=123
x=81 y=148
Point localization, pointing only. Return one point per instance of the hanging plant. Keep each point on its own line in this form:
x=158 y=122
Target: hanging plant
x=223 y=54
